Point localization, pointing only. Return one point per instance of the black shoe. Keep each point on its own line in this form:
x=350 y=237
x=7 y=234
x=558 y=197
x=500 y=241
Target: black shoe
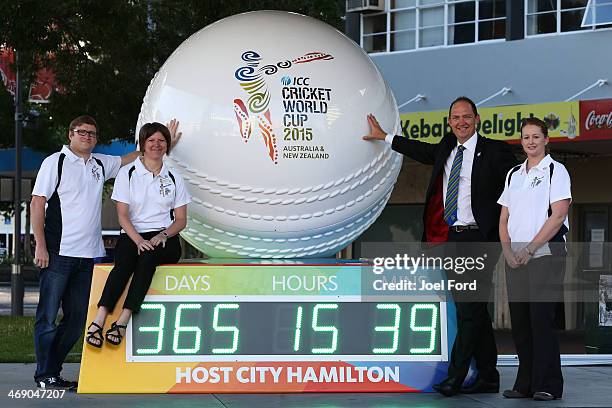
x=543 y=396
x=449 y=387
x=52 y=383
x=481 y=386
x=70 y=385
x=515 y=394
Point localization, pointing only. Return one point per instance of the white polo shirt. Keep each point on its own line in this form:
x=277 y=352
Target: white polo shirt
x=73 y=225
x=150 y=198
x=528 y=198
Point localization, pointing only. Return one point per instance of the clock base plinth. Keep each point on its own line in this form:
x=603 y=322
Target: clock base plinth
x=189 y=336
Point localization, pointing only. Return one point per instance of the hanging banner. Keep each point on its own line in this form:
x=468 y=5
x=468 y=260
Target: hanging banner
x=7 y=75
x=500 y=122
x=596 y=119
x=40 y=90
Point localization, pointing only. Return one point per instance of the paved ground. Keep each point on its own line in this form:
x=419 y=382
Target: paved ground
x=584 y=387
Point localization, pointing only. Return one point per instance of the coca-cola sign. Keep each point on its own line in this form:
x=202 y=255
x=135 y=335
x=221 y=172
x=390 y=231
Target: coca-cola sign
x=596 y=119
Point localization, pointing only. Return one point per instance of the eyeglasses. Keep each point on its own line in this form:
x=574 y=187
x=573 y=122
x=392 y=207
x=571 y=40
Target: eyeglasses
x=83 y=132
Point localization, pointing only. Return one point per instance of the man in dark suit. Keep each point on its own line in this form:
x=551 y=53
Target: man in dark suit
x=461 y=207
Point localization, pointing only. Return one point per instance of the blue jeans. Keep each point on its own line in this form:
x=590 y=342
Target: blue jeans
x=65 y=282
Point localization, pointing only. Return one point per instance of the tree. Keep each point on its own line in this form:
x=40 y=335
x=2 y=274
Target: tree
x=104 y=54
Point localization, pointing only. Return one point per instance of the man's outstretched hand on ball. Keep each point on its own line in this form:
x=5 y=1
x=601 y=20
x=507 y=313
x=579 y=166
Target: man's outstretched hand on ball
x=376 y=132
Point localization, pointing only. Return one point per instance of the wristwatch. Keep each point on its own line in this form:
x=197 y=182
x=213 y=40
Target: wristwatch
x=165 y=234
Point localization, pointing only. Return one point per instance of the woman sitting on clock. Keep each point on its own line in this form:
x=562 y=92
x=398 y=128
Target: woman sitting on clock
x=152 y=209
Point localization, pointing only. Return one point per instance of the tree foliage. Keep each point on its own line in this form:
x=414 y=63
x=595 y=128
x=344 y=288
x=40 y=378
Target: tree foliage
x=105 y=53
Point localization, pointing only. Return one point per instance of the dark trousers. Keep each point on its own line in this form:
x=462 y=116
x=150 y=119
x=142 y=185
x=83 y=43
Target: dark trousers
x=534 y=291
x=65 y=282
x=475 y=338
x=140 y=267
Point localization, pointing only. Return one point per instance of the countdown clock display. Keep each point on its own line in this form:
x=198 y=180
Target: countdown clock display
x=296 y=331
x=298 y=327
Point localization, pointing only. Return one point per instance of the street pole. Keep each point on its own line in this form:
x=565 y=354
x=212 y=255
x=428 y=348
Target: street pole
x=16 y=276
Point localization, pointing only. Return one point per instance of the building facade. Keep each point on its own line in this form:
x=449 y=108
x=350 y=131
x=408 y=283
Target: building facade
x=548 y=58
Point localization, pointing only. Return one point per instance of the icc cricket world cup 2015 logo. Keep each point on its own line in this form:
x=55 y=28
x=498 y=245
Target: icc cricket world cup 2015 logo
x=252 y=79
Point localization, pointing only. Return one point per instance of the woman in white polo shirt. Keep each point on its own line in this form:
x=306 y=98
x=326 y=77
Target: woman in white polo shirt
x=152 y=209
x=532 y=229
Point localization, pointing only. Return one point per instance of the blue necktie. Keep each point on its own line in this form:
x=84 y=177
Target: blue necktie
x=452 y=189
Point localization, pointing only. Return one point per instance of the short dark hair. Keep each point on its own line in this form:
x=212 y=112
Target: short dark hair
x=148 y=129
x=83 y=120
x=463 y=99
x=535 y=122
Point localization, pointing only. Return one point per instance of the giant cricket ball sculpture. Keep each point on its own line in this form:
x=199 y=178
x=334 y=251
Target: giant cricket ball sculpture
x=272 y=108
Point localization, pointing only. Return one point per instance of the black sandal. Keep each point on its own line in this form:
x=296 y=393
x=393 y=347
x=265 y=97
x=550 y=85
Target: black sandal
x=94 y=338
x=114 y=331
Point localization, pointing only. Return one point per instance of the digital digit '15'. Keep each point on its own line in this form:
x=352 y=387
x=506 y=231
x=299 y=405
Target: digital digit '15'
x=318 y=311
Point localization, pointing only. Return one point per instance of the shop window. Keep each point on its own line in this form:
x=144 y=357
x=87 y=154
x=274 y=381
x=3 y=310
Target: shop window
x=398 y=223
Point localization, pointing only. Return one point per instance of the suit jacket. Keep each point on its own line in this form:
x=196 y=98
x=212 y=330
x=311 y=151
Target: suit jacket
x=492 y=160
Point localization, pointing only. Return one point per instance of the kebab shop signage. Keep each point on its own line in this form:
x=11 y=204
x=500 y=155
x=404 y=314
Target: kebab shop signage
x=499 y=122
x=596 y=119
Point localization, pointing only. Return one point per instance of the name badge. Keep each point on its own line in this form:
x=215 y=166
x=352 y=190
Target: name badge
x=536 y=181
x=164 y=186
x=95 y=173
